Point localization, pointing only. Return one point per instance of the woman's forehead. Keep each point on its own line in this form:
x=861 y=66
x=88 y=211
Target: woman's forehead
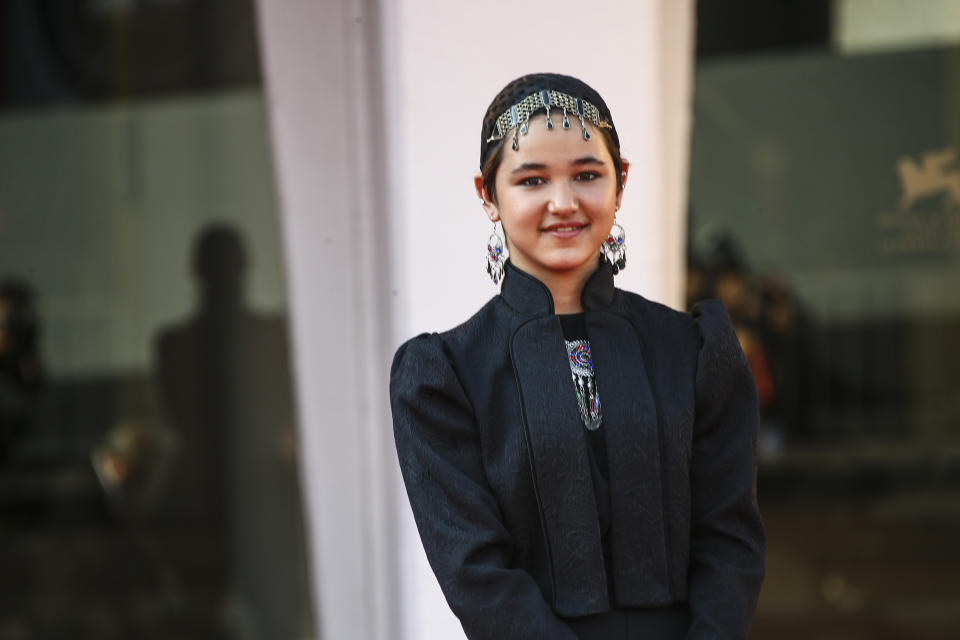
x=555 y=147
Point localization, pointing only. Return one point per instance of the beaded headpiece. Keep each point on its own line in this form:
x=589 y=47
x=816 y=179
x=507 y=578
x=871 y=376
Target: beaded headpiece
x=516 y=103
x=517 y=117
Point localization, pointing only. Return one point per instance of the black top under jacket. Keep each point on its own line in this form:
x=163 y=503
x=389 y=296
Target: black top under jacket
x=494 y=457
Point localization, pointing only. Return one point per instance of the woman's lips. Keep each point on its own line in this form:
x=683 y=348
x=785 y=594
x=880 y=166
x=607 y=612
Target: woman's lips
x=564 y=230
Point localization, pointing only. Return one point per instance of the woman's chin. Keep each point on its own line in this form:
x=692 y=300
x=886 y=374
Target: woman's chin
x=572 y=263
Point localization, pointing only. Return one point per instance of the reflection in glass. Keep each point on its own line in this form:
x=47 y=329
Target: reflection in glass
x=823 y=215
x=148 y=459
x=224 y=381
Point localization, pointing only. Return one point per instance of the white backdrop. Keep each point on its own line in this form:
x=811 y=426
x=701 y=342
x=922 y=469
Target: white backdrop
x=375 y=112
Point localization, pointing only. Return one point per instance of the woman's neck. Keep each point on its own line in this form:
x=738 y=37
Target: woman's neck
x=565 y=287
x=566 y=295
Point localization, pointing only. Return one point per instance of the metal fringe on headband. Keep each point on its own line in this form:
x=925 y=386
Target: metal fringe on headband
x=517 y=117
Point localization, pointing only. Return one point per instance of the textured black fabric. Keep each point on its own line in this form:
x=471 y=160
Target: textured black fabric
x=574 y=327
x=662 y=623
x=523 y=86
x=496 y=463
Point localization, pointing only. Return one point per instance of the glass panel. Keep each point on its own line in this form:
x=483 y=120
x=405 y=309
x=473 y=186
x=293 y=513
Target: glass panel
x=825 y=213
x=148 y=447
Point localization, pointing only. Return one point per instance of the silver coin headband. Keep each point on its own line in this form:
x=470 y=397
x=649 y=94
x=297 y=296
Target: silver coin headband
x=517 y=117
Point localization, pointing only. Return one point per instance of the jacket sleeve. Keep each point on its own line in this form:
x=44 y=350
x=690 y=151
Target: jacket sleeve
x=457 y=514
x=727 y=540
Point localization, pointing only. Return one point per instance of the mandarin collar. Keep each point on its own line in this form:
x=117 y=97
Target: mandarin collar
x=530 y=297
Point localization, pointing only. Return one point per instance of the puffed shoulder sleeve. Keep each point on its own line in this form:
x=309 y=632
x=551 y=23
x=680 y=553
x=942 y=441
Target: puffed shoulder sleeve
x=458 y=516
x=727 y=538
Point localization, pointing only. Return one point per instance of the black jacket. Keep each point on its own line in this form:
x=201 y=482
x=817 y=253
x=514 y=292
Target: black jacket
x=496 y=466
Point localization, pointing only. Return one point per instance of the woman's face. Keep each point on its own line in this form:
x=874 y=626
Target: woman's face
x=556 y=198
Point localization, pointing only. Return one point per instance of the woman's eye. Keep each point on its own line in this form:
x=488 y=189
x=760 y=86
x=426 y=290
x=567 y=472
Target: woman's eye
x=586 y=176
x=532 y=181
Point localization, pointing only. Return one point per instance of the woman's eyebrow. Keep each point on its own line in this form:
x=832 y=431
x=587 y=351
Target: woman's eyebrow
x=539 y=166
x=586 y=160
x=529 y=166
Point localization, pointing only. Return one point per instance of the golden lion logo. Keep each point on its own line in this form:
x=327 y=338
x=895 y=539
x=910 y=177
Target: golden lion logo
x=933 y=176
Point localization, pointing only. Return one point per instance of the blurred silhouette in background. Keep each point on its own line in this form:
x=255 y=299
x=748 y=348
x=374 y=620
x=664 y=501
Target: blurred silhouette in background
x=21 y=373
x=769 y=324
x=225 y=389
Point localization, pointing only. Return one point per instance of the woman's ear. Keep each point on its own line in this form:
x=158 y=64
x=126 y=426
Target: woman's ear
x=488 y=206
x=624 y=172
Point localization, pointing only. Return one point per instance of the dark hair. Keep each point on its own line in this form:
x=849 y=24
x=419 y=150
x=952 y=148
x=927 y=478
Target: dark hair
x=491 y=153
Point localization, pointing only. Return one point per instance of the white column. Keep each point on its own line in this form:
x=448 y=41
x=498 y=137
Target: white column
x=376 y=128
x=320 y=61
x=676 y=43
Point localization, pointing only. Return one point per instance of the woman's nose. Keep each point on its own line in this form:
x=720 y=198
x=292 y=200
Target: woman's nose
x=562 y=199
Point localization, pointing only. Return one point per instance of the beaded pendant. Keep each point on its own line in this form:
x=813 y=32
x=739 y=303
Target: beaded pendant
x=581 y=369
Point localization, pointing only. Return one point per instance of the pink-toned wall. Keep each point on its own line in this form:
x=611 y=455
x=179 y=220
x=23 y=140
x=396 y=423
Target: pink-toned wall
x=375 y=111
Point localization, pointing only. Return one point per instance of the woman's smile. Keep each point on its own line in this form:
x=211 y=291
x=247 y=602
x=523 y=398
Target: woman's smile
x=565 y=230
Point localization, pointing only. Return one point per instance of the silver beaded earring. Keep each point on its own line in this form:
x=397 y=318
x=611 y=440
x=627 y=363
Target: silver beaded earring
x=615 y=247
x=495 y=257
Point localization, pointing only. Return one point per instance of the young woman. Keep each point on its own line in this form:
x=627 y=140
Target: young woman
x=580 y=460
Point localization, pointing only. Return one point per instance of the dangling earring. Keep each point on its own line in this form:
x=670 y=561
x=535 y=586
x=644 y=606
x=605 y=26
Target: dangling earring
x=495 y=257
x=615 y=247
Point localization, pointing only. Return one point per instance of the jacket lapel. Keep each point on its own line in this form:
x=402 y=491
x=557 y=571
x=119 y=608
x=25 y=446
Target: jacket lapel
x=633 y=448
x=561 y=465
